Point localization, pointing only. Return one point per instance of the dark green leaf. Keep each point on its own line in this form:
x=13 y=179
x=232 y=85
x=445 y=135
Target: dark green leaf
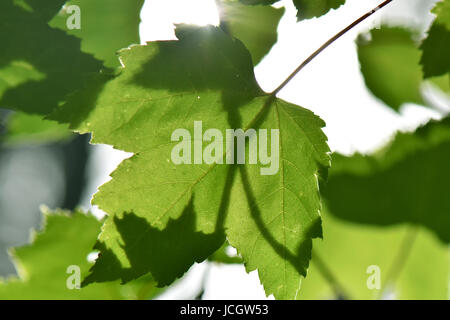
x=403 y=183
x=436 y=49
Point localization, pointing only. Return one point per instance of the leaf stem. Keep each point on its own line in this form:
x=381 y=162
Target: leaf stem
x=327 y=274
x=400 y=260
x=327 y=44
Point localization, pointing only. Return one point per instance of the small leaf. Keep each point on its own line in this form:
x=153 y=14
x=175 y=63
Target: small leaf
x=43 y=264
x=436 y=51
x=390 y=66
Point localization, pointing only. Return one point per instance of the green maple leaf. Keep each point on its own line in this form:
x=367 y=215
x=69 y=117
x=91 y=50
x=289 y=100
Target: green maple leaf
x=43 y=264
x=436 y=49
x=390 y=66
x=402 y=183
x=239 y=21
x=269 y=219
x=307 y=9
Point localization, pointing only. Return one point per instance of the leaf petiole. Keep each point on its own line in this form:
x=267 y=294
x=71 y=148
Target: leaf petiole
x=327 y=44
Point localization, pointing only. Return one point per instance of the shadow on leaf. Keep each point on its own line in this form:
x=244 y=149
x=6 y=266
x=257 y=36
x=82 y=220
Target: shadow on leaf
x=167 y=254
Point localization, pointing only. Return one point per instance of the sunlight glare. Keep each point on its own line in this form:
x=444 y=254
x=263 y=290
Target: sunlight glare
x=159 y=16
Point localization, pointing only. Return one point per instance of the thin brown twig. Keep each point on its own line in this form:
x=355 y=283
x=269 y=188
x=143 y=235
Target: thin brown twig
x=327 y=44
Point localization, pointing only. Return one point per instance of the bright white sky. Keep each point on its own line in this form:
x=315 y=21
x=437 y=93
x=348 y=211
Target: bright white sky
x=331 y=86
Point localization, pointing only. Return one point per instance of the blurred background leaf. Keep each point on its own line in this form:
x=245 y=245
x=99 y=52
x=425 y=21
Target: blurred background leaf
x=24 y=128
x=406 y=182
x=390 y=66
x=106 y=26
x=39 y=65
x=66 y=240
x=350 y=248
x=239 y=21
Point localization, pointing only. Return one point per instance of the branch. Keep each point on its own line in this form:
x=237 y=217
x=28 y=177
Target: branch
x=401 y=259
x=327 y=44
x=327 y=274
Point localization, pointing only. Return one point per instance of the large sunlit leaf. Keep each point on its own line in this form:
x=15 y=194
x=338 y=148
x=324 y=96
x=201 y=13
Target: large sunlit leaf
x=159 y=211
